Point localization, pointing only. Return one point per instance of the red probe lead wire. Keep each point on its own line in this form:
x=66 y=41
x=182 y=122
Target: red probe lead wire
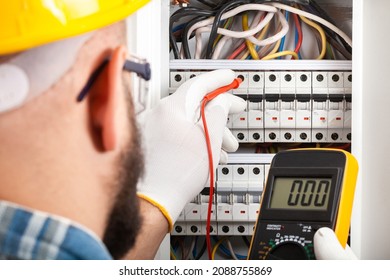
x=210 y=96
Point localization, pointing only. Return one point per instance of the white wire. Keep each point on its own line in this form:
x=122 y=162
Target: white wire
x=230 y=247
x=233 y=34
x=192 y=246
x=231 y=13
x=315 y=18
x=198 y=38
x=223 y=41
x=278 y=36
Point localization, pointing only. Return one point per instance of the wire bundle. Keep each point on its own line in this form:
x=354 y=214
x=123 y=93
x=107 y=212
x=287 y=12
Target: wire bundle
x=262 y=38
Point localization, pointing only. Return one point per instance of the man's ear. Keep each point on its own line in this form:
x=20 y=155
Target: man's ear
x=104 y=100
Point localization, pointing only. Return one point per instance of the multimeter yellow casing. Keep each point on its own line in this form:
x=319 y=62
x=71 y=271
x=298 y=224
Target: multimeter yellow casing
x=306 y=189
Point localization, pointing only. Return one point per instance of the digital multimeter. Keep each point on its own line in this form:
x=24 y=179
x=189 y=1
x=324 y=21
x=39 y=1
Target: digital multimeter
x=306 y=189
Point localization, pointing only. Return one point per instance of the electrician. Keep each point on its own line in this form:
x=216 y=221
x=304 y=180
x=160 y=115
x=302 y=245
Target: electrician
x=77 y=178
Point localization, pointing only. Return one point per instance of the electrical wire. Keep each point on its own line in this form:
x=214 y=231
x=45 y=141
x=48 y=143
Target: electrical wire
x=246 y=241
x=274 y=38
x=329 y=51
x=189 y=251
x=260 y=37
x=259 y=16
x=236 y=34
x=215 y=24
x=248 y=43
x=210 y=96
x=172 y=254
x=179 y=14
x=215 y=248
x=314 y=18
x=320 y=31
x=280 y=54
x=211 y=18
x=299 y=34
x=284 y=37
x=230 y=247
x=185 y=45
x=320 y=12
x=202 y=250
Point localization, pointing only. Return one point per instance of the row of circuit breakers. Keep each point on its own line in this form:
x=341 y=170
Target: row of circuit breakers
x=235 y=206
x=289 y=106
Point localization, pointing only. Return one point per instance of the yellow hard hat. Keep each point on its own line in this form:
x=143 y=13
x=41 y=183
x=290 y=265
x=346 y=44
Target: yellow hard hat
x=29 y=23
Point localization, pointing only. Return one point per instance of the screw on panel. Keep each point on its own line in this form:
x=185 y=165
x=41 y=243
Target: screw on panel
x=178 y=77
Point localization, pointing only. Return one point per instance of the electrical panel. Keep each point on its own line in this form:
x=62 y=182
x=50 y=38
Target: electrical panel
x=290 y=103
x=236 y=200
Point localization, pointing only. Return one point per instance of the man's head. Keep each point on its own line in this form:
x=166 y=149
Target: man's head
x=78 y=160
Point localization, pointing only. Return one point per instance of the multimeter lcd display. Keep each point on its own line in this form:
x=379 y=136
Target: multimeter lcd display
x=300 y=193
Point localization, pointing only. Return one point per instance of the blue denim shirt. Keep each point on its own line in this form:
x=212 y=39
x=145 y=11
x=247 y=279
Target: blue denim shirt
x=27 y=234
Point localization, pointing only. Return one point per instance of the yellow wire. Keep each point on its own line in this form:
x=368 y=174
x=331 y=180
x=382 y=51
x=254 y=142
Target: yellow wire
x=261 y=36
x=283 y=53
x=227 y=23
x=173 y=257
x=215 y=248
x=275 y=49
x=322 y=33
x=248 y=43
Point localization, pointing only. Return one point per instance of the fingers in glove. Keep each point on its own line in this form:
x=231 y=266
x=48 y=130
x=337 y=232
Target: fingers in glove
x=196 y=88
x=231 y=104
x=229 y=142
x=328 y=247
x=223 y=157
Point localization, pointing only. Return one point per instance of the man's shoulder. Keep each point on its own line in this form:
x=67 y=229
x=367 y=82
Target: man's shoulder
x=29 y=234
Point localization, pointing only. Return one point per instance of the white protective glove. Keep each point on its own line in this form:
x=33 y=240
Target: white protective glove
x=176 y=158
x=328 y=247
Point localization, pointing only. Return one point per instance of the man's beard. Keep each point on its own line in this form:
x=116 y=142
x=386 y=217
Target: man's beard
x=124 y=221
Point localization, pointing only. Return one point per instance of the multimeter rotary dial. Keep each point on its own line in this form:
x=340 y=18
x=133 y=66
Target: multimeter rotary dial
x=277 y=246
x=289 y=250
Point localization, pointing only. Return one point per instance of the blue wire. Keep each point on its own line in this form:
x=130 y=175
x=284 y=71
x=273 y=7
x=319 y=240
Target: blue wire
x=178 y=27
x=194 y=250
x=281 y=47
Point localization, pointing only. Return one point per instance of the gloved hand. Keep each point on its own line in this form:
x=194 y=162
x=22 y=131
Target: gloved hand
x=176 y=159
x=328 y=247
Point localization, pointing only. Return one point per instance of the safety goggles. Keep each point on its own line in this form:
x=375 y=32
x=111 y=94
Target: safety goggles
x=140 y=92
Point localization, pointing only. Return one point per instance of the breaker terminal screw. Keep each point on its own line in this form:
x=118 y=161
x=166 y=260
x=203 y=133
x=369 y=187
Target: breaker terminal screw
x=178 y=229
x=178 y=78
x=272 y=136
x=256 y=136
x=241 y=229
x=225 y=170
